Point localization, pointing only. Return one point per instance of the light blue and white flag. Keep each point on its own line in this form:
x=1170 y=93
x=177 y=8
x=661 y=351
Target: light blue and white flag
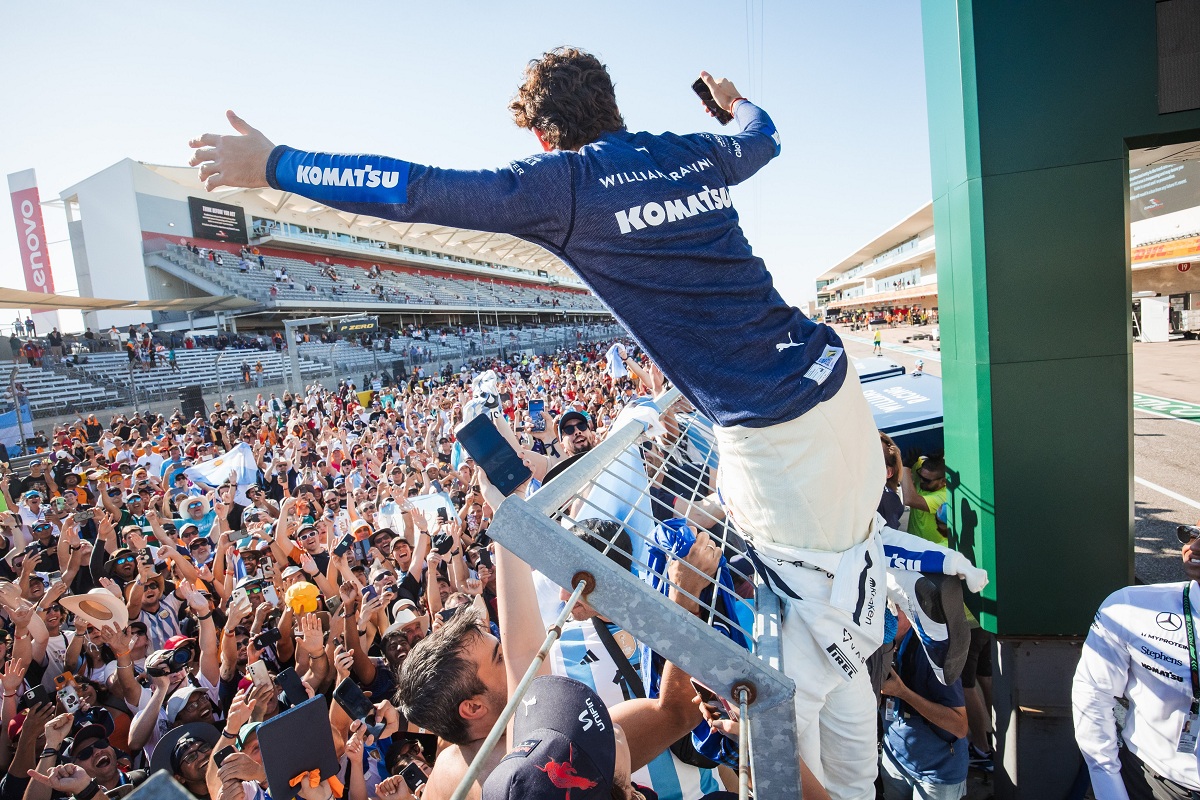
x=215 y=471
x=10 y=431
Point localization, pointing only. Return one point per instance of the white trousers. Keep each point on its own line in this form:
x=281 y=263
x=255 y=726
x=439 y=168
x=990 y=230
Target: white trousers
x=813 y=484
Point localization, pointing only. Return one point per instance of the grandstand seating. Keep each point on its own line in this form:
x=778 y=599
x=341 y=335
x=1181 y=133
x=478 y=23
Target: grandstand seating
x=195 y=367
x=399 y=288
x=47 y=389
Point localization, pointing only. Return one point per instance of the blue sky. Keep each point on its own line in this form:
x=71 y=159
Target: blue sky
x=89 y=84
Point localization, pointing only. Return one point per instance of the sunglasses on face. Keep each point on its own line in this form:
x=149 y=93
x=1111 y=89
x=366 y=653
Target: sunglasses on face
x=125 y=560
x=570 y=428
x=254 y=590
x=306 y=535
x=1186 y=533
x=86 y=753
x=196 y=753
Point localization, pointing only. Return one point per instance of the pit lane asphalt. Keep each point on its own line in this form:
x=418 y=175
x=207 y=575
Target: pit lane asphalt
x=1166 y=451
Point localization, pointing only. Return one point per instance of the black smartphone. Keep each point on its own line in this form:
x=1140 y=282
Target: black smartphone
x=356 y=704
x=369 y=593
x=223 y=754
x=414 y=776
x=721 y=115
x=442 y=516
x=293 y=688
x=492 y=452
x=34 y=697
x=446 y=614
x=267 y=638
x=343 y=546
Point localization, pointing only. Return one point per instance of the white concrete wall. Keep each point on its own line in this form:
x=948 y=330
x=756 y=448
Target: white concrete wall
x=111 y=234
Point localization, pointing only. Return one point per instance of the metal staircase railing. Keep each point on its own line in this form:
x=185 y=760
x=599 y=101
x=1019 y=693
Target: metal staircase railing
x=613 y=481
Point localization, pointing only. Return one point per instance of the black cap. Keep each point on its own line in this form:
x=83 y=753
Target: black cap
x=573 y=414
x=565 y=743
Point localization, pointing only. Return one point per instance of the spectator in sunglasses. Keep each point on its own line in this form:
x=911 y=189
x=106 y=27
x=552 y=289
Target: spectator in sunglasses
x=195 y=510
x=576 y=431
x=201 y=551
x=91 y=750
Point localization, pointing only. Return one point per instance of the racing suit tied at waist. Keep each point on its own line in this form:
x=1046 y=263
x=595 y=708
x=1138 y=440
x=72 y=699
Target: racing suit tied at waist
x=851 y=584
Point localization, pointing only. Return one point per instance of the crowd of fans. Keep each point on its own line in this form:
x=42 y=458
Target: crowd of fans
x=137 y=599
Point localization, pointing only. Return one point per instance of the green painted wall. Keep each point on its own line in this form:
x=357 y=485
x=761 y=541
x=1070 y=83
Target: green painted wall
x=1033 y=106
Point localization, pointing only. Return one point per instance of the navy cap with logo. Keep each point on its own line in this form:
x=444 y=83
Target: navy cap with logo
x=566 y=746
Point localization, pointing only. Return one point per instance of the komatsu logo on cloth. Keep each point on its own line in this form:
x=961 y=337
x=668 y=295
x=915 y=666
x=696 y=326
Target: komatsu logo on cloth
x=332 y=176
x=655 y=214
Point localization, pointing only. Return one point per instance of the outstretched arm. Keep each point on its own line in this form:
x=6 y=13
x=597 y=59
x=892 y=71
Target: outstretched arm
x=513 y=198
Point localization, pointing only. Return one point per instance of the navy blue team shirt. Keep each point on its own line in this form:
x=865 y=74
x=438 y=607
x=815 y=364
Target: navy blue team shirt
x=646 y=221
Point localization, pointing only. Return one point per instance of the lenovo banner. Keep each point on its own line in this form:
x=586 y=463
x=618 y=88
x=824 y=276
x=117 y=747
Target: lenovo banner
x=31 y=233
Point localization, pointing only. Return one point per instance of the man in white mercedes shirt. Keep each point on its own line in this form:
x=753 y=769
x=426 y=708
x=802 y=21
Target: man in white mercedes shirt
x=1142 y=646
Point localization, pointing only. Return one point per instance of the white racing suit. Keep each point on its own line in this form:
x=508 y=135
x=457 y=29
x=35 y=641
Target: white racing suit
x=1136 y=649
x=803 y=494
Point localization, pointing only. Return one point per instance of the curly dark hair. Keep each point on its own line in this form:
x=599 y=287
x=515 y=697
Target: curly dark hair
x=568 y=95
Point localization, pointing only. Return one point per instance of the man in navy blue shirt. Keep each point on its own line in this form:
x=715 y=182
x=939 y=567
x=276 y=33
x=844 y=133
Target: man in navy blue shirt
x=647 y=221
x=925 y=749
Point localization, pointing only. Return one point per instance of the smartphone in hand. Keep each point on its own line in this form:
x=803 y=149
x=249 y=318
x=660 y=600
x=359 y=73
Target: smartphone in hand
x=702 y=91
x=492 y=452
x=356 y=705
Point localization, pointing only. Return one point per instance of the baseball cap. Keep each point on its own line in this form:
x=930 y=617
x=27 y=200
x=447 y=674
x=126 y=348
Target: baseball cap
x=86 y=734
x=179 y=698
x=570 y=415
x=565 y=740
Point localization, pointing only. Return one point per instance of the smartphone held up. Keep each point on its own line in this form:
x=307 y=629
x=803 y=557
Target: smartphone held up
x=705 y=94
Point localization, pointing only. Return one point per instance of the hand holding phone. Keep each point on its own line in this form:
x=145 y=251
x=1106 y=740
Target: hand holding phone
x=357 y=705
x=719 y=707
x=414 y=776
x=705 y=94
x=259 y=674
x=493 y=453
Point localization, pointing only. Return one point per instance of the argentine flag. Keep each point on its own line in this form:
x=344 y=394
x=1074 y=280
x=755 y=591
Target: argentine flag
x=10 y=429
x=215 y=471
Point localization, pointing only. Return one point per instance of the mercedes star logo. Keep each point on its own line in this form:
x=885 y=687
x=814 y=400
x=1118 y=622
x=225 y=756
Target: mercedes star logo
x=1168 y=621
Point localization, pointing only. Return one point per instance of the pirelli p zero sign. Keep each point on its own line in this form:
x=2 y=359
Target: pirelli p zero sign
x=356 y=326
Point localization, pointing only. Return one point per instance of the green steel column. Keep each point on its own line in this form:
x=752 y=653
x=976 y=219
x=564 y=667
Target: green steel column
x=1033 y=106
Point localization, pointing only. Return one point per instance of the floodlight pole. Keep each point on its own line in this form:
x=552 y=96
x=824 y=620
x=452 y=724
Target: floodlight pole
x=290 y=327
x=479 y=317
x=132 y=391
x=12 y=387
